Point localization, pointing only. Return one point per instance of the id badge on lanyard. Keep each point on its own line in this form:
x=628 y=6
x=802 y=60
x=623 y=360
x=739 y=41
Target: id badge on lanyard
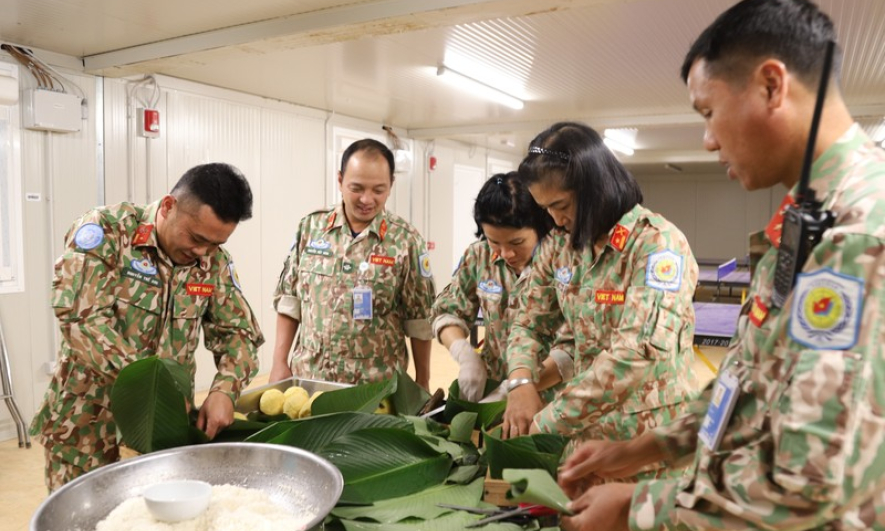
x=362 y=295
x=725 y=395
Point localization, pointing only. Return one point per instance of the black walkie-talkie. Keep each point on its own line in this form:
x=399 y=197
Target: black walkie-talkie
x=804 y=223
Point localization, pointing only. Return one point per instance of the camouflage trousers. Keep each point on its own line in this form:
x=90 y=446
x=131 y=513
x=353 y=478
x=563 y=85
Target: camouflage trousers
x=66 y=463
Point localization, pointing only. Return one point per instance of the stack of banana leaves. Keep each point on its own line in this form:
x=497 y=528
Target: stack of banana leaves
x=398 y=468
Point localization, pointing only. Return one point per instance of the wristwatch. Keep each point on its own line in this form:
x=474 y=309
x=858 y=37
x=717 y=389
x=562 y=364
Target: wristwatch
x=513 y=383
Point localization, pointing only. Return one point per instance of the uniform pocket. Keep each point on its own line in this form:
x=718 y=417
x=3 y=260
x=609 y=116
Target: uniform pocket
x=815 y=423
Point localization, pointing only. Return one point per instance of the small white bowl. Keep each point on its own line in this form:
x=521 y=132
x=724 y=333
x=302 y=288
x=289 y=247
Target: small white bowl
x=174 y=501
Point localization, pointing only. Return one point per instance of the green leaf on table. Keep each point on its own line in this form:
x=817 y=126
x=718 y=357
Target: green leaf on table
x=522 y=452
x=537 y=487
x=381 y=463
x=455 y=521
x=364 y=398
x=273 y=429
x=315 y=433
x=461 y=427
x=456 y=451
x=409 y=397
x=239 y=431
x=464 y=474
x=488 y=414
x=421 y=505
x=428 y=426
x=149 y=406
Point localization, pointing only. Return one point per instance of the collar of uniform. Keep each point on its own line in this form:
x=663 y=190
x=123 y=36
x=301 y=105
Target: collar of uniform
x=824 y=180
x=148 y=218
x=337 y=219
x=626 y=223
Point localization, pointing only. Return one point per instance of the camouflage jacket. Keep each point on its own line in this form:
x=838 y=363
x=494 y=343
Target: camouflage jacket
x=119 y=298
x=804 y=447
x=484 y=281
x=628 y=303
x=316 y=288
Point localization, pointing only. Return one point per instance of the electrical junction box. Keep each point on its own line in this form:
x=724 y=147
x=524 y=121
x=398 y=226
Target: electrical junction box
x=148 y=122
x=47 y=110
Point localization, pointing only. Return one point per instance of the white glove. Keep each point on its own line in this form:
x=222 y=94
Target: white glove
x=497 y=395
x=472 y=373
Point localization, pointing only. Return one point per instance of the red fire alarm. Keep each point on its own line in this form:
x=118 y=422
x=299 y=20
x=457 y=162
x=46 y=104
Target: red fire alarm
x=148 y=123
x=431 y=163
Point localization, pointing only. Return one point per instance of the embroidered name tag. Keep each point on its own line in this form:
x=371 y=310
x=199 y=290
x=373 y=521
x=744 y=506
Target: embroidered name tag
x=141 y=277
x=490 y=286
x=382 y=260
x=609 y=297
x=200 y=290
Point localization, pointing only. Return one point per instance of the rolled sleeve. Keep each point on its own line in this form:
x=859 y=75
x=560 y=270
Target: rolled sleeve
x=458 y=303
x=288 y=305
x=418 y=329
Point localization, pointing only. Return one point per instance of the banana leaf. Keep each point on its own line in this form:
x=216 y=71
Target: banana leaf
x=488 y=414
x=239 y=431
x=464 y=474
x=456 y=521
x=522 y=452
x=409 y=397
x=535 y=486
x=381 y=463
x=149 y=405
x=272 y=430
x=428 y=426
x=364 y=398
x=315 y=433
x=462 y=426
x=421 y=505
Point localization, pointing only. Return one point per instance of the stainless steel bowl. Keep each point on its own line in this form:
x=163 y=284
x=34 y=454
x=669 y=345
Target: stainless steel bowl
x=293 y=478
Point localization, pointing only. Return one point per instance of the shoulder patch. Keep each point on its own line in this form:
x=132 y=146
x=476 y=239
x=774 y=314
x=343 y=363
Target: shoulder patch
x=89 y=236
x=490 y=286
x=234 y=278
x=826 y=311
x=664 y=271
x=424 y=265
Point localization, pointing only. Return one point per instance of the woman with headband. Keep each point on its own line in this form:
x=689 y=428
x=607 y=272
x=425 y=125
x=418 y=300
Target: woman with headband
x=622 y=279
x=490 y=277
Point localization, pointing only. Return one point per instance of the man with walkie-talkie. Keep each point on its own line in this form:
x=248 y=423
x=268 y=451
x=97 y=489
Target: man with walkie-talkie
x=791 y=434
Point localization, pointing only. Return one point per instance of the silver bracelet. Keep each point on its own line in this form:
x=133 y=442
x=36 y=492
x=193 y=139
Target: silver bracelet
x=513 y=383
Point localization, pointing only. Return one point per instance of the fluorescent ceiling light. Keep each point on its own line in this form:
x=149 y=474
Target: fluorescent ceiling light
x=621 y=140
x=478 y=88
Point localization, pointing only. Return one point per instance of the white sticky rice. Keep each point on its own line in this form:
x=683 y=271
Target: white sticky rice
x=231 y=509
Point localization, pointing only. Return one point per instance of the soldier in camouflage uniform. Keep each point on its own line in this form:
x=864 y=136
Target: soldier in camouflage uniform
x=137 y=281
x=491 y=277
x=623 y=281
x=792 y=433
x=356 y=281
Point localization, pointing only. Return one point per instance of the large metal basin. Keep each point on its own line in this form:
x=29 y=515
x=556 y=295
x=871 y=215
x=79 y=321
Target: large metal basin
x=296 y=479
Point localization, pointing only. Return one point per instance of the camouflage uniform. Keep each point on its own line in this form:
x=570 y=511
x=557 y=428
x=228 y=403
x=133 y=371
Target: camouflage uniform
x=316 y=288
x=118 y=299
x=628 y=301
x=484 y=281
x=805 y=444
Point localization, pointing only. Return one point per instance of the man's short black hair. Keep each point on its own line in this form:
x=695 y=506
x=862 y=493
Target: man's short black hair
x=369 y=146
x=574 y=158
x=505 y=201
x=221 y=186
x=795 y=32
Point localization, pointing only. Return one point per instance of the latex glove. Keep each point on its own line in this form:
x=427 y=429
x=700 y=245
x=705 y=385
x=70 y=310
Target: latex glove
x=564 y=363
x=472 y=373
x=498 y=395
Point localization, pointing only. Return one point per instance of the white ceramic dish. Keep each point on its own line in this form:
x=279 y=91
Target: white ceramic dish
x=174 y=501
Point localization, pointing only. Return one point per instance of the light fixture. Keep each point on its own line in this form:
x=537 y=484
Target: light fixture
x=620 y=140
x=478 y=88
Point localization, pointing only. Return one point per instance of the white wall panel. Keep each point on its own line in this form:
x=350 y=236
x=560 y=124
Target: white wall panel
x=715 y=214
x=293 y=166
x=202 y=130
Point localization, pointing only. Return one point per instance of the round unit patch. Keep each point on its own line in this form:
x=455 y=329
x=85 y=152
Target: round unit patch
x=564 y=275
x=826 y=310
x=490 y=286
x=424 y=263
x=234 y=277
x=144 y=266
x=89 y=236
x=664 y=271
